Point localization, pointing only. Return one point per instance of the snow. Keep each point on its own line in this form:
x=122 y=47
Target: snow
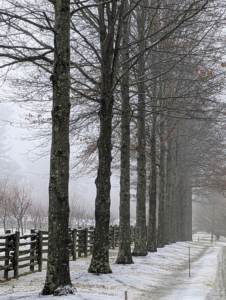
x=161 y=275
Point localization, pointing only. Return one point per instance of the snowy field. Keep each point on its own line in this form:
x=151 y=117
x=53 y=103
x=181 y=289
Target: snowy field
x=158 y=276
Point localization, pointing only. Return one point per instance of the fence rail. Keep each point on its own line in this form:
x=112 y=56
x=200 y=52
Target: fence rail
x=17 y=252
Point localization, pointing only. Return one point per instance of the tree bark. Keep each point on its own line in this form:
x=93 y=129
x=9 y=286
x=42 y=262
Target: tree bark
x=140 y=247
x=151 y=239
x=186 y=214
x=168 y=197
x=100 y=258
x=174 y=190
x=189 y=214
x=58 y=275
x=161 y=211
x=124 y=253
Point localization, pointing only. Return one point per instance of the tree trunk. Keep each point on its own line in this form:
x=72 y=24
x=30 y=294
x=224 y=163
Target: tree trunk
x=168 y=197
x=4 y=224
x=151 y=239
x=21 y=226
x=18 y=224
x=186 y=216
x=180 y=209
x=189 y=215
x=212 y=223
x=161 y=211
x=140 y=247
x=124 y=253
x=58 y=275
x=100 y=258
x=174 y=189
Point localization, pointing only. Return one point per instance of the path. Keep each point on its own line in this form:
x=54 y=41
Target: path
x=203 y=279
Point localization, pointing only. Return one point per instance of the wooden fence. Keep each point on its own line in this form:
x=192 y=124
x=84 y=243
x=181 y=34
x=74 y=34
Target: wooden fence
x=17 y=252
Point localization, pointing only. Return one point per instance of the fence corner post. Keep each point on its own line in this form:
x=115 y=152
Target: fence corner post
x=32 y=250
x=16 y=254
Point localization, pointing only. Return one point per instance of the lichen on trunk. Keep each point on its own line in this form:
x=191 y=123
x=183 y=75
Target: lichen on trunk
x=58 y=275
x=100 y=259
x=124 y=253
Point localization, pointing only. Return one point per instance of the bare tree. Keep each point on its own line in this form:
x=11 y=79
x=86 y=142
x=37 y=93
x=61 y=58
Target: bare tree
x=38 y=215
x=80 y=215
x=20 y=202
x=5 y=199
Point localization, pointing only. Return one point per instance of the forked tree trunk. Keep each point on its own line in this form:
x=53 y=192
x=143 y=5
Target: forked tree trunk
x=100 y=259
x=58 y=276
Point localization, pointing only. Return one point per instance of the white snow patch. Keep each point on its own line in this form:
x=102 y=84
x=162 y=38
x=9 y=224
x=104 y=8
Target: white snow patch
x=158 y=276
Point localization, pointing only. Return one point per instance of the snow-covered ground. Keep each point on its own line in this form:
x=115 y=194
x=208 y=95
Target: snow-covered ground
x=161 y=275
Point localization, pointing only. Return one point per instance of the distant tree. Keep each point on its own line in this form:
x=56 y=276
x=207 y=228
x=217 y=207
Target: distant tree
x=210 y=212
x=20 y=202
x=5 y=198
x=8 y=167
x=80 y=215
x=38 y=215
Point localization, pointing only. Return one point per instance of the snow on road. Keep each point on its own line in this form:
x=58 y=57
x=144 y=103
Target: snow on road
x=198 y=285
x=161 y=275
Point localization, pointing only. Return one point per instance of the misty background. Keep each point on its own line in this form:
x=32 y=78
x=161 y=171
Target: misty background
x=27 y=161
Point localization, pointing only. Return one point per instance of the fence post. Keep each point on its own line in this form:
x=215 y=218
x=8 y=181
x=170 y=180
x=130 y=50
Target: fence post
x=189 y=262
x=86 y=242
x=80 y=236
x=6 y=271
x=126 y=295
x=32 y=251
x=117 y=236
x=40 y=239
x=16 y=254
x=74 y=246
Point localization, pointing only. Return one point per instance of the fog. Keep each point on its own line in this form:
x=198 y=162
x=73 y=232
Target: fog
x=34 y=162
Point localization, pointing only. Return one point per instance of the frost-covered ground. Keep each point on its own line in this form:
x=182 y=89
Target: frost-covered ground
x=161 y=275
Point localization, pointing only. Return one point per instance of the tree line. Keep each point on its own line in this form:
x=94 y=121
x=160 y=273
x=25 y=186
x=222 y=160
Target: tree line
x=137 y=87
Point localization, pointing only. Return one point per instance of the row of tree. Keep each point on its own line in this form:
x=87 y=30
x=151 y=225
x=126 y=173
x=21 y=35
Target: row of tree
x=137 y=85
